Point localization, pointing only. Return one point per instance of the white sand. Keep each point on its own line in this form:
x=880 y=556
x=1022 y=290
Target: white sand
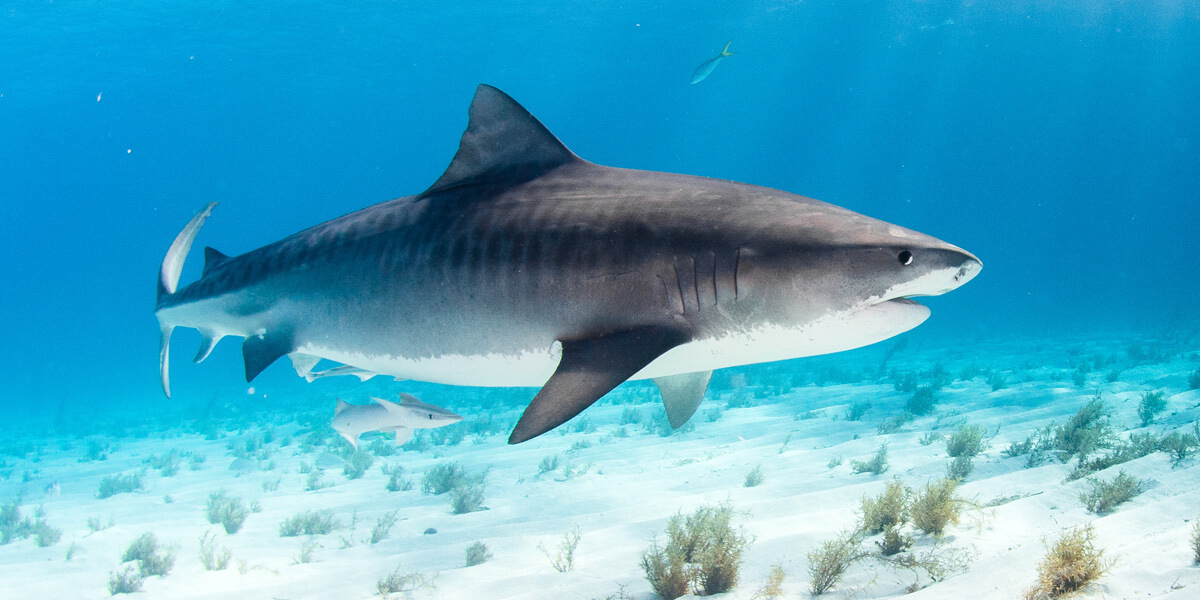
x=634 y=484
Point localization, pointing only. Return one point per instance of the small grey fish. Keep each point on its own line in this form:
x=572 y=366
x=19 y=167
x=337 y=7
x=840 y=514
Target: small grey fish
x=706 y=68
x=242 y=466
x=328 y=460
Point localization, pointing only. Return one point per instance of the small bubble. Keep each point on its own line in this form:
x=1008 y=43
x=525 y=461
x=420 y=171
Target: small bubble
x=250 y=391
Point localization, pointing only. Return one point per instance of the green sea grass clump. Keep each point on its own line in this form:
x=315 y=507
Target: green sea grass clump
x=1072 y=564
x=1105 y=496
x=703 y=552
x=119 y=484
x=309 y=522
x=876 y=465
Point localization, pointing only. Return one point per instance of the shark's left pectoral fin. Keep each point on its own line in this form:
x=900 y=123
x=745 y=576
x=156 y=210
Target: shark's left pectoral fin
x=682 y=394
x=590 y=368
x=403 y=434
x=259 y=351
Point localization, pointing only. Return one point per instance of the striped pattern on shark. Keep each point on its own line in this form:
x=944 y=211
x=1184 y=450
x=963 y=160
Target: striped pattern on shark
x=525 y=265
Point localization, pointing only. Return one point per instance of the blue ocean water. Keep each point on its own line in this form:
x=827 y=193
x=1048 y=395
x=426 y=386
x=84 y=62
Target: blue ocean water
x=1055 y=140
x=1059 y=141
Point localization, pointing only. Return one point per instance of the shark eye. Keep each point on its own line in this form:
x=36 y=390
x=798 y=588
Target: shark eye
x=905 y=257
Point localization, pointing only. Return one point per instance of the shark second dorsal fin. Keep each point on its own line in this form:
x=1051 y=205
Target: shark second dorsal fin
x=503 y=146
x=213 y=258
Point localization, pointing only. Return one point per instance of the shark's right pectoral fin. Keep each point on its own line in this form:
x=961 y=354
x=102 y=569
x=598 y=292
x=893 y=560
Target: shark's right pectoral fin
x=590 y=368
x=259 y=351
x=681 y=395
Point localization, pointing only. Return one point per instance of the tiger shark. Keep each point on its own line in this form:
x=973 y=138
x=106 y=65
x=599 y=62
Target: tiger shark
x=353 y=420
x=525 y=265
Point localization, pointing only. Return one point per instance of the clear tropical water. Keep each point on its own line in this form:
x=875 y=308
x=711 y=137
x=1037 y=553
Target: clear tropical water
x=1058 y=141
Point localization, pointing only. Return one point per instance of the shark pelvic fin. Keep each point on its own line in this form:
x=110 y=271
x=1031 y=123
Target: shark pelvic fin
x=213 y=258
x=164 y=357
x=172 y=266
x=208 y=341
x=682 y=394
x=304 y=363
x=589 y=369
x=259 y=351
x=503 y=146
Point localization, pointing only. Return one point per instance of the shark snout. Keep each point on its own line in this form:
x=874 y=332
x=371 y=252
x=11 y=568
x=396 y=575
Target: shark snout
x=969 y=269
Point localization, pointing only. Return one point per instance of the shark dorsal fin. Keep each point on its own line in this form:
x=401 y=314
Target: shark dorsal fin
x=213 y=258
x=341 y=405
x=409 y=399
x=503 y=146
x=389 y=405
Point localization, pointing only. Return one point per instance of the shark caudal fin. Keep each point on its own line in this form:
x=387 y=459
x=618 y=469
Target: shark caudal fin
x=725 y=51
x=168 y=282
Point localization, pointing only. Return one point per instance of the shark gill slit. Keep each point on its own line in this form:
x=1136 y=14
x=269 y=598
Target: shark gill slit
x=666 y=293
x=737 y=262
x=716 y=299
x=679 y=286
x=696 y=281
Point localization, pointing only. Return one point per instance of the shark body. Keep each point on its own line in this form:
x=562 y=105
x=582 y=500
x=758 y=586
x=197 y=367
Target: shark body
x=353 y=420
x=524 y=265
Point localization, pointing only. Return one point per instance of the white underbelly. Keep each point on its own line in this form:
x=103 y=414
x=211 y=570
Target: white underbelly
x=532 y=367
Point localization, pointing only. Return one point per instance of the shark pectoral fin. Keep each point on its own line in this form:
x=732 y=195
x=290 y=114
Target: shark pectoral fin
x=589 y=369
x=341 y=405
x=164 y=357
x=353 y=439
x=259 y=351
x=681 y=395
x=403 y=434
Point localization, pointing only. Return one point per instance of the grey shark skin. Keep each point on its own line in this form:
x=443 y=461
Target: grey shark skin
x=353 y=420
x=525 y=265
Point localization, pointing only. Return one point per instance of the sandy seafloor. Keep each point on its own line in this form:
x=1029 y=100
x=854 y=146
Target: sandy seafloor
x=633 y=484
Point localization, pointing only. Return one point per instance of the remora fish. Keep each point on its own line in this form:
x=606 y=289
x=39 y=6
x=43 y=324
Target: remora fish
x=524 y=264
x=706 y=68
x=353 y=420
